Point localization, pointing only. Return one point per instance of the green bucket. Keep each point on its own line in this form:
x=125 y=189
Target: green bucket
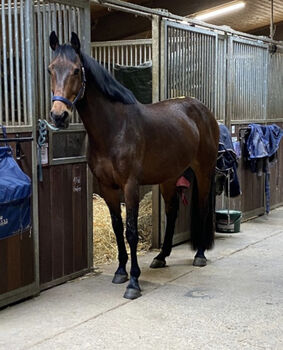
x=224 y=225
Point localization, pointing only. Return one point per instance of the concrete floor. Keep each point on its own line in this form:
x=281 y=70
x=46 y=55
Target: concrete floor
x=235 y=302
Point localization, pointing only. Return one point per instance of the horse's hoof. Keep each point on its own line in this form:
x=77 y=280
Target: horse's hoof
x=132 y=293
x=118 y=278
x=157 y=263
x=200 y=262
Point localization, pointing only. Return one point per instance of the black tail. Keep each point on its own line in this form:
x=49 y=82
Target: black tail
x=203 y=218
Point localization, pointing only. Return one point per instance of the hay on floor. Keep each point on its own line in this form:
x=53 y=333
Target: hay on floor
x=104 y=241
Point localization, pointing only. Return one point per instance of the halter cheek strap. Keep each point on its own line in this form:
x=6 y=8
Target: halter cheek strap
x=79 y=96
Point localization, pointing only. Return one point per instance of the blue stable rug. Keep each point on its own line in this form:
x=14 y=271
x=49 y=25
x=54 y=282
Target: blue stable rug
x=15 y=193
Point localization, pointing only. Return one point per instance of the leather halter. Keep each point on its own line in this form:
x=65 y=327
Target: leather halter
x=79 y=96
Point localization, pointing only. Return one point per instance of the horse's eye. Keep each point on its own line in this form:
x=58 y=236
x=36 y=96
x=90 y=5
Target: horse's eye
x=76 y=71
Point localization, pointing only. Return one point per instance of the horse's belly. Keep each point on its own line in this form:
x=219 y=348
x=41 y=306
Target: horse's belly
x=165 y=167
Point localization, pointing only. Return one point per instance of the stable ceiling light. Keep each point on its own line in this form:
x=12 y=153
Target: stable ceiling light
x=221 y=10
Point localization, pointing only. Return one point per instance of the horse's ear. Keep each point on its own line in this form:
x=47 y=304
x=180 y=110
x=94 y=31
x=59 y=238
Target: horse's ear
x=75 y=42
x=53 y=41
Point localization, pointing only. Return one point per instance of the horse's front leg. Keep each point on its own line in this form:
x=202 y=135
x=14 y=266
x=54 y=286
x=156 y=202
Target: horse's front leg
x=131 y=193
x=112 y=199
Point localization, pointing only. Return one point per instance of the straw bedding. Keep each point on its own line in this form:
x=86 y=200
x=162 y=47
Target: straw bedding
x=104 y=241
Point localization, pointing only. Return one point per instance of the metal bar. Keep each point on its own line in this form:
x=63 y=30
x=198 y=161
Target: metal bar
x=108 y=60
x=53 y=17
x=99 y=54
x=198 y=66
x=31 y=82
x=60 y=22
x=271 y=21
x=118 y=54
x=49 y=26
x=17 y=56
x=65 y=14
x=40 y=62
x=127 y=55
x=79 y=24
x=17 y=139
x=5 y=70
x=74 y=22
x=104 y=57
x=183 y=62
x=136 y=55
x=175 y=73
x=46 y=60
x=69 y=22
x=113 y=59
x=170 y=66
x=1 y=103
x=23 y=56
x=11 y=63
x=216 y=50
x=122 y=42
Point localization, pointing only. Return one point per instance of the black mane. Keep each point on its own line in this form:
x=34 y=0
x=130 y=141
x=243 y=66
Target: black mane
x=104 y=81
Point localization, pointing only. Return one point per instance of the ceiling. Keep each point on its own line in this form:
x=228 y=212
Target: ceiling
x=113 y=24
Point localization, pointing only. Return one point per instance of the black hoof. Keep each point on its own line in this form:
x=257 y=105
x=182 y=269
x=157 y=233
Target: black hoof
x=118 y=279
x=200 y=262
x=157 y=263
x=132 y=293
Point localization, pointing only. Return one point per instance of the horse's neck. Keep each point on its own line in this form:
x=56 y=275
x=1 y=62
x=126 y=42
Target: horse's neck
x=99 y=116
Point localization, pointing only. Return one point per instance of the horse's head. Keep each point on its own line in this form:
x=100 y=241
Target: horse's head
x=67 y=79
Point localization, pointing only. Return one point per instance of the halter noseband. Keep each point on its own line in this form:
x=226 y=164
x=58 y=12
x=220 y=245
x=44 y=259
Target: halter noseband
x=79 y=96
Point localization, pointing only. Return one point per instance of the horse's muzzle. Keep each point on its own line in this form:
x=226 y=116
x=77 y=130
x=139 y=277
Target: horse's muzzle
x=61 y=120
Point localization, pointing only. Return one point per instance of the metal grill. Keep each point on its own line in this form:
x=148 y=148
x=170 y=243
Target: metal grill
x=191 y=64
x=125 y=52
x=13 y=65
x=249 y=81
x=275 y=86
x=237 y=79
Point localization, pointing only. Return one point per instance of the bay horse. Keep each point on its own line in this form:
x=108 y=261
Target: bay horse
x=132 y=144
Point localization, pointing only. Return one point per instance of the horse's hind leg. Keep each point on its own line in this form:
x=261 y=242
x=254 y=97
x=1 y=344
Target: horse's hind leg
x=202 y=218
x=171 y=199
x=112 y=199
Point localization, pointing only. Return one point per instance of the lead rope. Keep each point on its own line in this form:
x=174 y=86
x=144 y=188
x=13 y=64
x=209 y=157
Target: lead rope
x=42 y=130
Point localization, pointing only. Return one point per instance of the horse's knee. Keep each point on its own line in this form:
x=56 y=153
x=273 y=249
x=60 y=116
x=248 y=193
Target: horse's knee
x=132 y=237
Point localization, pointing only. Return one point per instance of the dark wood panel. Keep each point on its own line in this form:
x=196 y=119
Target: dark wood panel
x=79 y=221
x=3 y=266
x=45 y=229
x=63 y=221
x=27 y=255
x=276 y=179
x=68 y=213
x=57 y=202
